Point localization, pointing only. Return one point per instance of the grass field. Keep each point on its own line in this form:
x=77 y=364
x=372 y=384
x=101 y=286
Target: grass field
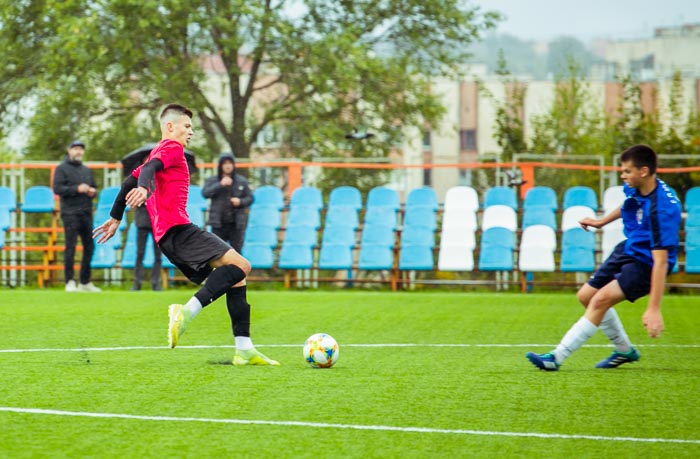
x=419 y=375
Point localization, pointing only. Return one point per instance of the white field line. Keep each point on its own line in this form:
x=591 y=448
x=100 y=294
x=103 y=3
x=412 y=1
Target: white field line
x=230 y=346
x=428 y=430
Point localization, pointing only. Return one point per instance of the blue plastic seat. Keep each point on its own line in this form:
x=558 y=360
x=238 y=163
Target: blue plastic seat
x=577 y=251
x=8 y=200
x=496 y=249
x=346 y=196
x=301 y=234
x=104 y=257
x=692 y=218
x=342 y=216
x=101 y=215
x=307 y=196
x=381 y=215
x=499 y=236
x=304 y=215
x=38 y=199
x=196 y=214
x=378 y=234
x=416 y=258
x=296 y=256
x=196 y=199
x=335 y=256
x=2 y=239
x=106 y=197
x=580 y=196
x=260 y=256
x=417 y=235
x=501 y=195
x=130 y=248
x=5 y=219
x=264 y=216
x=420 y=216
x=539 y=215
x=422 y=197
x=260 y=235
x=541 y=196
x=344 y=235
x=692 y=199
x=268 y=196
x=384 y=197
x=376 y=257
x=692 y=250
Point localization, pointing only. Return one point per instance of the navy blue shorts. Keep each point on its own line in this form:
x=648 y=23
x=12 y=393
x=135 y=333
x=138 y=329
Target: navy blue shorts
x=190 y=248
x=633 y=276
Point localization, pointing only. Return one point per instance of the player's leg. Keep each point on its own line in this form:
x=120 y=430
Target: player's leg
x=71 y=239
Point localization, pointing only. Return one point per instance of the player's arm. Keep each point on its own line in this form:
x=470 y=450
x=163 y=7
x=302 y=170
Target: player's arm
x=137 y=196
x=600 y=222
x=105 y=231
x=652 y=318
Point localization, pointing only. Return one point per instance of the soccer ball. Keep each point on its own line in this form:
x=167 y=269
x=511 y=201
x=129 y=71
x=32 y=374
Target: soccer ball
x=321 y=351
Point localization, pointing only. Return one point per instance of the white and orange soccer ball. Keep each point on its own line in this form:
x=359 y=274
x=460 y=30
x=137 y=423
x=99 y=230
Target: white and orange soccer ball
x=321 y=350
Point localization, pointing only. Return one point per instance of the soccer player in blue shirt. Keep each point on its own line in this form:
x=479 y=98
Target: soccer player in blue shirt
x=651 y=215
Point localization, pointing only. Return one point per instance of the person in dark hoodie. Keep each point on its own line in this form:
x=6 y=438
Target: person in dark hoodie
x=230 y=195
x=74 y=183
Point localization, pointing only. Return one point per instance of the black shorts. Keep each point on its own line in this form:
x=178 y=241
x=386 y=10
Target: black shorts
x=633 y=276
x=190 y=248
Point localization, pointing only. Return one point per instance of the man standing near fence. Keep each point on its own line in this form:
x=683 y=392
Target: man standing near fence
x=74 y=183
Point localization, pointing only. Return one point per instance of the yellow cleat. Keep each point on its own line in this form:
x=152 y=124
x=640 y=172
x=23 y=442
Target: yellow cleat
x=252 y=357
x=178 y=318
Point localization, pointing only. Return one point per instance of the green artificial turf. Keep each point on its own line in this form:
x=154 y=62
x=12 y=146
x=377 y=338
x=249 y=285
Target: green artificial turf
x=105 y=385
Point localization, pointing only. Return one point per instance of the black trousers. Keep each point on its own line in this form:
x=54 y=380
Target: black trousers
x=142 y=235
x=231 y=233
x=76 y=226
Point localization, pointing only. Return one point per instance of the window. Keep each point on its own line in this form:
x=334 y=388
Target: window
x=467 y=139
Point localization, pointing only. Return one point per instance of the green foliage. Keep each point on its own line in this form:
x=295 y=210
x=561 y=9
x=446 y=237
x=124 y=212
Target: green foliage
x=101 y=69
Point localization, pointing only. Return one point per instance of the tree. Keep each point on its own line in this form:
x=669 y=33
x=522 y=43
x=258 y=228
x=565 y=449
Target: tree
x=101 y=68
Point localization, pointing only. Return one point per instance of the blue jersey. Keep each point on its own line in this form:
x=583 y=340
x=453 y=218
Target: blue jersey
x=651 y=222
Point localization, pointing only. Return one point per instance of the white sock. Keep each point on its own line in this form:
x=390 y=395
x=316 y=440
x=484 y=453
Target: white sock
x=243 y=343
x=578 y=334
x=611 y=326
x=194 y=306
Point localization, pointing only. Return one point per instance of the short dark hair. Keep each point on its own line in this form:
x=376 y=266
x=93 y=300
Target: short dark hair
x=176 y=108
x=641 y=156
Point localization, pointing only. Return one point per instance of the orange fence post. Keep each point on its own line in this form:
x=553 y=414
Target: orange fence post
x=528 y=177
x=294 y=174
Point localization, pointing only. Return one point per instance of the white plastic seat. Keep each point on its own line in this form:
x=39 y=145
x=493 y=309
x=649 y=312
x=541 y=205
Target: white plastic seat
x=613 y=198
x=572 y=215
x=461 y=197
x=537 y=247
x=499 y=216
x=458 y=236
x=456 y=258
x=613 y=234
x=459 y=218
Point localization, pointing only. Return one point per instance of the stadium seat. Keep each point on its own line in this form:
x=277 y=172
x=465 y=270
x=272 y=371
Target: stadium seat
x=304 y=215
x=613 y=197
x=577 y=251
x=268 y=196
x=500 y=196
x=496 y=250
x=8 y=200
x=459 y=218
x=376 y=257
x=384 y=197
x=300 y=234
x=692 y=199
x=307 y=196
x=381 y=215
x=420 y=216
x=264 y=216
x=101 y=215
x=104 y=257
x=260 y=256
x=106 y=197
x=613 y=234
x=377 y=234
x=296 y=256
x=5 y=219
x=422 y=197
x=537 y=248
x=335 y=256
x=338 y=215
x=416 y=258
x=38 y=199
x=580 y=196
x=539 y=215
x=266 y=235
x=499 y=216
x=461 y=198
x=692 y=218
x=195 y=199
x=417 y=235
x=345 y=196
x=130 y=247
x=692 y=250
x=344 y=235
x=196 y=214
x=541 y=197
x=455 y=258
x=458 y=236
x=572 y=215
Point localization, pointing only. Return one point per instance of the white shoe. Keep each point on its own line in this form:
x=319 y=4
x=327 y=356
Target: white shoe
x=89 y=287
x=71 y=286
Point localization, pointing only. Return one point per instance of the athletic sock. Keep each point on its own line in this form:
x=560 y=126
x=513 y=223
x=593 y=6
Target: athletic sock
x=612 y=327
x=243 y=343
x=578 y=334
x=239 y=311
x=219 y=282
x=194 y=306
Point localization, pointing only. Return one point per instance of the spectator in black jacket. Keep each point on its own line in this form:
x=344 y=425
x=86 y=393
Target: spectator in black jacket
x=74 y=183
x=143 y=229
x=230 y=197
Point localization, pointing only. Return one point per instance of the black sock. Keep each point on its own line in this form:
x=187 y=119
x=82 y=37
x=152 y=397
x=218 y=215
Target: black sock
x=219 y=282
x=239 y=310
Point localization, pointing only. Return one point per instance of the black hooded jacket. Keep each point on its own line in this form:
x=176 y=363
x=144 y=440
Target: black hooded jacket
x=221 y=211
x=69 y=174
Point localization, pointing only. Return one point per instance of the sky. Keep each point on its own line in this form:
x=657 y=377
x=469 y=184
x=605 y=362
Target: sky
x=590 y=19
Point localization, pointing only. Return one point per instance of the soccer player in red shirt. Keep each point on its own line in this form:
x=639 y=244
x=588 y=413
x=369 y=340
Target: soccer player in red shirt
x=162 y=183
